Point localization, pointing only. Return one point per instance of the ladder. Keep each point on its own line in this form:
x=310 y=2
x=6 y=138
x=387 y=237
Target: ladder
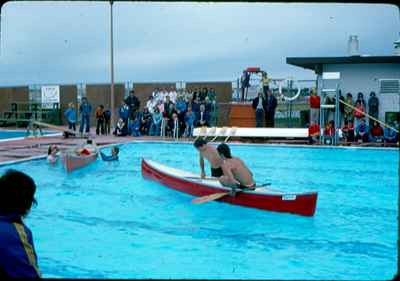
x=334 y=91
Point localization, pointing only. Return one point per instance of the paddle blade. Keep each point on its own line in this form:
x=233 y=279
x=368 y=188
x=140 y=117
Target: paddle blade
x=210 y=197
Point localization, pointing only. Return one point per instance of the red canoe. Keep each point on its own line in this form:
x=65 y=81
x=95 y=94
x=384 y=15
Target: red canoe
x=261 y=198
x=72 y=162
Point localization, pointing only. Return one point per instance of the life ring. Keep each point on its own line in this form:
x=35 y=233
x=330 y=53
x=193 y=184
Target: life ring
x=285 y=98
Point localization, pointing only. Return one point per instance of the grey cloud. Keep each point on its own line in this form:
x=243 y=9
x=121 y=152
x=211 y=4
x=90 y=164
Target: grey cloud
x=43 y=41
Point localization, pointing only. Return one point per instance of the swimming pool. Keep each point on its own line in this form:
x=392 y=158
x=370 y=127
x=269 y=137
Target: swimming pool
x=106 y=221
x=10 y=134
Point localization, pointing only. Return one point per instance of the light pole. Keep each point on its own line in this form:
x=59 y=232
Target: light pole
x=112 y=65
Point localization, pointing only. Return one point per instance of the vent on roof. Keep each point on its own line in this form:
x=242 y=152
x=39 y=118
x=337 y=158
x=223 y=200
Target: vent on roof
x=389 y=86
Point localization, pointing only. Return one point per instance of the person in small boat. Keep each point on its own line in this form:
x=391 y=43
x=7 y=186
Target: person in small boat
x=211 y=154
x=236 y=174
x=113 y=156
x=87 y=149
x=52 y=154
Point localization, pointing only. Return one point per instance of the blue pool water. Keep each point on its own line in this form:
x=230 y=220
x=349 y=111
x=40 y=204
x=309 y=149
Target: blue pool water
x=106 y=221
x=17 y=134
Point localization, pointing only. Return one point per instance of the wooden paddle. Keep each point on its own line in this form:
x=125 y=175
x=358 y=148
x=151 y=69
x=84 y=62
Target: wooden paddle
x=209 y=197
x=215 y=196
x=200 y=178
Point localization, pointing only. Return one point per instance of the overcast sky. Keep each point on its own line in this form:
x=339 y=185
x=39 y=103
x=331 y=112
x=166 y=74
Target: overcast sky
x=67 y=42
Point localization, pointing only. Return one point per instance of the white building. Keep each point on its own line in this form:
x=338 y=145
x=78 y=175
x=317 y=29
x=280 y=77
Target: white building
x=366 y=74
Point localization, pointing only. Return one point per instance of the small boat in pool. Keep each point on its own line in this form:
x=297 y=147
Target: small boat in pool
x=71 y=161
x=263 y=198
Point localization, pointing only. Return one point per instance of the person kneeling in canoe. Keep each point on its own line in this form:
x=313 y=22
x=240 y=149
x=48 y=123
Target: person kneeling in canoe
x=236 y=174
x=211 y=154
x=112 y=157
x=87 y=149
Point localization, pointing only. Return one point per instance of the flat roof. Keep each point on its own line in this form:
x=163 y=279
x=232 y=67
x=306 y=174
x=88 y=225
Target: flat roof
x=314 y=63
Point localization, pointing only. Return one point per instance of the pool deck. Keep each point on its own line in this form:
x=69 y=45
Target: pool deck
x=27 y=148
x=19 y=149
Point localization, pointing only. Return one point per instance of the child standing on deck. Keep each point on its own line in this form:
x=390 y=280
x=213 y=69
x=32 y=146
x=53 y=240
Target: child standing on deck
x=190 y=117
x=107 y=121
x=70 y=115
x=100 y=120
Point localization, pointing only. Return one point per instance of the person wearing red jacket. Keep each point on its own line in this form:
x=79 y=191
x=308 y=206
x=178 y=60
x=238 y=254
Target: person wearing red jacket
x=314 y=102
x=313 y=132
x=329 y=132
x=376 y=132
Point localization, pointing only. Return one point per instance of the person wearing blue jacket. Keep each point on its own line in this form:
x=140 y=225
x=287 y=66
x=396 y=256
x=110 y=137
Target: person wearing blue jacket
x=124 y=112
x=84 y=110
x=70 y=115
x=390 y=135
x=18 y=257
x=362 y=132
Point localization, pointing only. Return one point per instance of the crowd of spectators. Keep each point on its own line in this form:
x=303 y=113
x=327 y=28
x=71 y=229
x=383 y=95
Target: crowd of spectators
x=167 y=112
x=355 y=125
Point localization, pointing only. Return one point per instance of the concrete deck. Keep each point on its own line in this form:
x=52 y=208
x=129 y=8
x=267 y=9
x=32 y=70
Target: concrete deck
x=26 y=148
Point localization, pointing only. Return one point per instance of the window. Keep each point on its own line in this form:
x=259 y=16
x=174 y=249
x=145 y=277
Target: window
x=389 y=86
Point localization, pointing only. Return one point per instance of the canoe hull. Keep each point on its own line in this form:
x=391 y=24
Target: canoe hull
x=72 y=162
x=297 y=203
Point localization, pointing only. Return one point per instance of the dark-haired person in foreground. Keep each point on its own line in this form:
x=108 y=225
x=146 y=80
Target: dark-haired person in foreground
x=236 y=174
x=211 y=154
x=17 y=253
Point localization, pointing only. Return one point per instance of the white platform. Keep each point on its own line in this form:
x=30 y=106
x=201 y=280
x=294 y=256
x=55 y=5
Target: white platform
x=252 y=132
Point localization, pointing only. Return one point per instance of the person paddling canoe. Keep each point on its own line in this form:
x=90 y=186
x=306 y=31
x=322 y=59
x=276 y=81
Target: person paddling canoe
x=211 y=154
x=235 y=172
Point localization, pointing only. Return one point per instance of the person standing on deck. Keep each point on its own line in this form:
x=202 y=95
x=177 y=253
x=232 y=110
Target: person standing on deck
x=133 y=102
x=259 y=106
x=373 y=107
x=107 y=121
x=315 y=103
x=265 y=82
x=270 y=106
x=70 y=115
x=236 y=174
x=18 y=257
x=84 y=110
x=100 y=120
x=211 y=154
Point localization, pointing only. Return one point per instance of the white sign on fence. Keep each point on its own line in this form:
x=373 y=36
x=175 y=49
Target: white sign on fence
x=50 y=95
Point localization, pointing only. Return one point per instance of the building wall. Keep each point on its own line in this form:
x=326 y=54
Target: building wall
x=11 y=95
x=101 y=94
x=364 y=78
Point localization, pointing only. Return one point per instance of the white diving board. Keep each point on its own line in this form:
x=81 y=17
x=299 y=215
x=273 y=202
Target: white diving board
x=251 y=132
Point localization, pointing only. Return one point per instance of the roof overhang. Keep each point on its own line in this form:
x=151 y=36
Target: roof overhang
x=316 y=63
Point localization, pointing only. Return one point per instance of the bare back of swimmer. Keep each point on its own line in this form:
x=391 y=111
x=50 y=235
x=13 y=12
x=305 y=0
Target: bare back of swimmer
x=211 y=154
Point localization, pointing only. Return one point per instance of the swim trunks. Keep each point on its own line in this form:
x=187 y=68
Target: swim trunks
x=217 y=172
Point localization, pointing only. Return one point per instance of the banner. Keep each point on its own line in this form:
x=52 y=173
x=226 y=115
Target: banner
x=50 y=95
